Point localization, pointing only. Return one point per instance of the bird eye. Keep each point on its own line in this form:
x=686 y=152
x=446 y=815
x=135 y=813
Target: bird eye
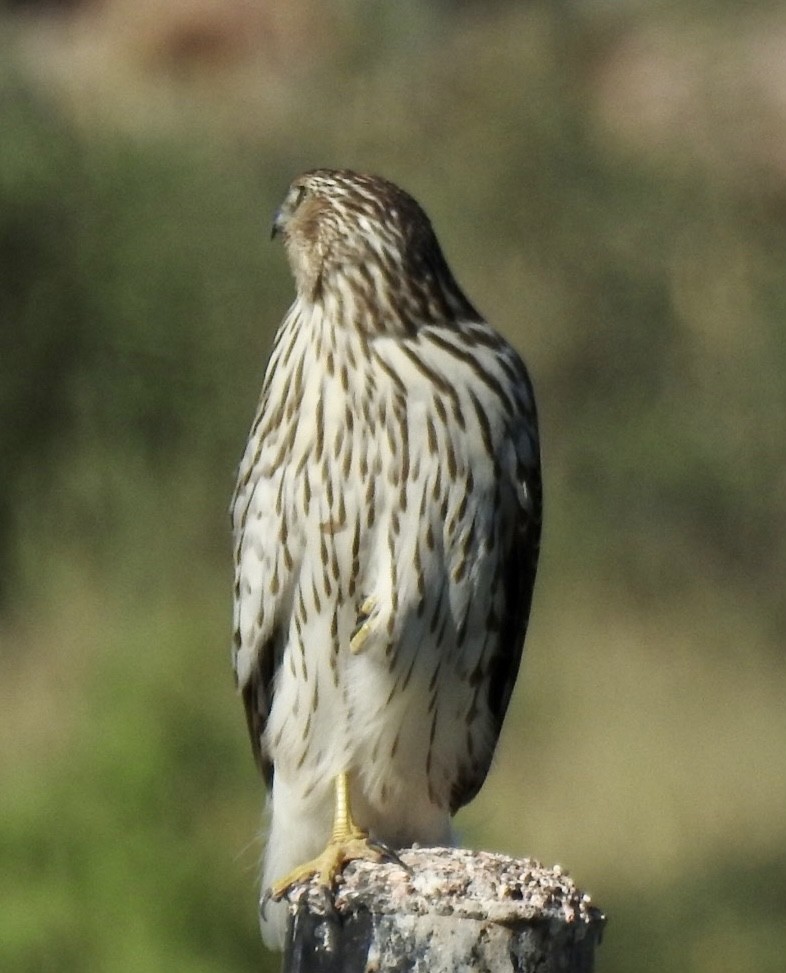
x=301 y=194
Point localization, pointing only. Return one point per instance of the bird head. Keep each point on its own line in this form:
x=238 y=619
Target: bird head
x=364 y=240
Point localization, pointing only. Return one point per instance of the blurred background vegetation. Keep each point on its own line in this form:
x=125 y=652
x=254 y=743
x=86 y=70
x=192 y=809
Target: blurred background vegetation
x=609 y=183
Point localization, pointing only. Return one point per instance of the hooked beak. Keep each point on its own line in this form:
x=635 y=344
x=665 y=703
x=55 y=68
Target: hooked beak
x=278 y=225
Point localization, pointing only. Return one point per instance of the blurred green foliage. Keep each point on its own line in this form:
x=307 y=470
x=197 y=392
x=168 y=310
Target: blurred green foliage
x=138 y=296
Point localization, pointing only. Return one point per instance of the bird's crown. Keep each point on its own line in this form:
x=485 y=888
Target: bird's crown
x=365 y=236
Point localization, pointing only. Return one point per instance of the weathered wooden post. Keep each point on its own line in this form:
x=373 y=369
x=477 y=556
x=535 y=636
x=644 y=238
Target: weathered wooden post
x=451 y=910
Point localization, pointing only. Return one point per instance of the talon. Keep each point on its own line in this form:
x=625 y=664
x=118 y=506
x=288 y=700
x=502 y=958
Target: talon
x=387 y=854
x=263 y=904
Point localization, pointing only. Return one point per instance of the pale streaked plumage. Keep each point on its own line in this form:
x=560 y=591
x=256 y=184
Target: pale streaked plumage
x=390 y=484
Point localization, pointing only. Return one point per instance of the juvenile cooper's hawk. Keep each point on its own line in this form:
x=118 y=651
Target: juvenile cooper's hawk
x=386 y=525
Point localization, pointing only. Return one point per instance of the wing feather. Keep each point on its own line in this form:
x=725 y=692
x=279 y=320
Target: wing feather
x=517 y=570
x=257 y=693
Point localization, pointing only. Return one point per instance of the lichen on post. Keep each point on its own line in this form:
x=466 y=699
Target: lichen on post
x=449 y=909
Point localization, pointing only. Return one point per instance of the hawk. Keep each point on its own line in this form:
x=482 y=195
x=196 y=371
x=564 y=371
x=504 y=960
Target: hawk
x=386 y=526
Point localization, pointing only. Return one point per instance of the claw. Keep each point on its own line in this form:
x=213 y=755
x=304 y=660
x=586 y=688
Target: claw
x=387 y=854
x=266 y=897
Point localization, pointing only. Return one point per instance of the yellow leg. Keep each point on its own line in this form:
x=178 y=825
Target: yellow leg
x=343 y=823
x=347 y=842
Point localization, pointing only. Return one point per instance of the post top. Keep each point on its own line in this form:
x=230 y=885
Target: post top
x=460 y=883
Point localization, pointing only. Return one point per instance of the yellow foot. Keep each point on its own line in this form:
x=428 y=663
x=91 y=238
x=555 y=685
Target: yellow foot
x=330 y=864
x=363 y=628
